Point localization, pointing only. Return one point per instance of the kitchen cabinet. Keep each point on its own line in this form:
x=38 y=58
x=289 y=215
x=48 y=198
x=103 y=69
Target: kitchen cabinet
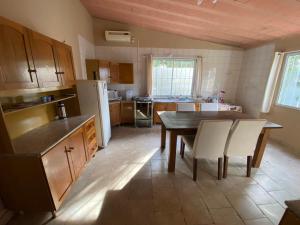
x=65 y=63
x=46 y=65
x=77 y=152
x=127 y=113
x=104 y=70
x=57 y=165
x=38 y=179
x=126 y=73
x=115 y=113
x=114 y=72
x=90 y=138
x=162 y=106
x=98 y=69
x=16 y=65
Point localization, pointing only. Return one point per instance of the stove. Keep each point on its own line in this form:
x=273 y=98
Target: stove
x=143 y=111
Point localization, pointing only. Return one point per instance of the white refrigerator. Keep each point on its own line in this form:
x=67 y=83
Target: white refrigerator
x=93 y=100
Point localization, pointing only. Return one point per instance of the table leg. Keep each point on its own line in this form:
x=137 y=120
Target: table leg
x=172 y=154
x=163 y=136
x=260 y=148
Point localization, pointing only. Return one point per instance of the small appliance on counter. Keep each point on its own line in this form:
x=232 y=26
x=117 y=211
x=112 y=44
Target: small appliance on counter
x=113 y=95
x=143 y=111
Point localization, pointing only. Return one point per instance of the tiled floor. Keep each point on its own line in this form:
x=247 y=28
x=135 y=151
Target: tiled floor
x=128 y=184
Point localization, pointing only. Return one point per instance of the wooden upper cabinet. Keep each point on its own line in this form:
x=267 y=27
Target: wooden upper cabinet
x=58 y=169
x=46 y=65
x=104 y=70
x=16 y=65
x=65 y=63
x=114 y=72
x=126 y=73
x=78 y=153
x=92 y=69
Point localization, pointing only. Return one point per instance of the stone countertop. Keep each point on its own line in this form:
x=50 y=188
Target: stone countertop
x=40 y=140
x=171 y=100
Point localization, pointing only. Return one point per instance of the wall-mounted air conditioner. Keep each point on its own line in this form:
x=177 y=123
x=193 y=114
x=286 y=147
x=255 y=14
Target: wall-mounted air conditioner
x=120 y=36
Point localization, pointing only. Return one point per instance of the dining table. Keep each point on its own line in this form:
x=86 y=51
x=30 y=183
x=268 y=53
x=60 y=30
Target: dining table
x=186 y=123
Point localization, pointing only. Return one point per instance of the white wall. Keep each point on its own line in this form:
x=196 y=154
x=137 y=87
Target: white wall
x=221 y=68
x=87 y=51
x=252 y=80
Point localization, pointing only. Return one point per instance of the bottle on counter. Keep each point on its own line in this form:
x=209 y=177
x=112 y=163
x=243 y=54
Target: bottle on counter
x=61 y=110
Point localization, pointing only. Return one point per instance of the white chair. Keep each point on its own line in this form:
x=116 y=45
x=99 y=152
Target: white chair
x=242 y=141
x=209 y=107
x=186 y=107
x=209 y=143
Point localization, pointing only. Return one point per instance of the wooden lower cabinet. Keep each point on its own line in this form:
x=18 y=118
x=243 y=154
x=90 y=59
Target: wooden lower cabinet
x=41 y=182
x=127 y=113
x=58 y=161
x=162 y=106
x=77 y=152
x=90 y=139
x=115 y=113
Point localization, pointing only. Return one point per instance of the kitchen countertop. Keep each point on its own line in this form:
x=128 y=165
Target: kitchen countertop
x=170 y=100
x=40 y=140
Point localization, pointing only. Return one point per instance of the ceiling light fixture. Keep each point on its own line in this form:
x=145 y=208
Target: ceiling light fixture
x=199 y=2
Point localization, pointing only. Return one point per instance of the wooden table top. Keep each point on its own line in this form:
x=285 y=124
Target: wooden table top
x=173 y=120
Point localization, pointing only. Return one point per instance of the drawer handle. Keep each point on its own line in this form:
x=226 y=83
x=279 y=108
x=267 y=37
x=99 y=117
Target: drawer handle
x=70 y=149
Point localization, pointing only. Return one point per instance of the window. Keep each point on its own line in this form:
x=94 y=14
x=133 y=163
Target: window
x=172 y=77
x=289 y=92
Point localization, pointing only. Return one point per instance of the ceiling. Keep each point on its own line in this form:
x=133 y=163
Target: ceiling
x=242 y=23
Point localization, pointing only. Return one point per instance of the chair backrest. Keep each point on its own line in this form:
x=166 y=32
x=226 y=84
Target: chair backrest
x=209 y=107
x=243 y=137
x=186 y=106
x=211 y=138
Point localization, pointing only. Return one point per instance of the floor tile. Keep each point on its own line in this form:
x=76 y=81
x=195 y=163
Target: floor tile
x=273 y=211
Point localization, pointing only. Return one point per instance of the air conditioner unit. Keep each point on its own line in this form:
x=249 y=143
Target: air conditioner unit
x=120 y=36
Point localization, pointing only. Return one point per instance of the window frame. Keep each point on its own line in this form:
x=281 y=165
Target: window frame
x=193 y=79
x=282 y=73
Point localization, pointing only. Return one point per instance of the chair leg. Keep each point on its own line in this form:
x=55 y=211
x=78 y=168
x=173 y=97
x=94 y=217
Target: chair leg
x=182 y=146
x=195 y=161
x=225 y=166
x=249 y=165
x=220 y=168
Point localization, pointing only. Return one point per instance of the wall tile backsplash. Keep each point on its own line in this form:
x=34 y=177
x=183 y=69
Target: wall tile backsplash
x=221 y=68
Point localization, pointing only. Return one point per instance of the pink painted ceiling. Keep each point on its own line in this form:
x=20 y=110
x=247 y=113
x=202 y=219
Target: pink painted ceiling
x=241 y=23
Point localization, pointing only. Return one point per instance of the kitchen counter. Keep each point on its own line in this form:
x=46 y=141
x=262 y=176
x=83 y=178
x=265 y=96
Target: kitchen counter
x=40 y=140
x=170 y=100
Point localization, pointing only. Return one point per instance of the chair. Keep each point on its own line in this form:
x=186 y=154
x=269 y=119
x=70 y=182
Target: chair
x=242 y=141
x=209 y=107
x=209 y=142
x=186 y=107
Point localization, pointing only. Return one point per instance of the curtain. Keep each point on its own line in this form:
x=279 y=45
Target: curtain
x=272 y=81
x=149 y=74
x=196 y=91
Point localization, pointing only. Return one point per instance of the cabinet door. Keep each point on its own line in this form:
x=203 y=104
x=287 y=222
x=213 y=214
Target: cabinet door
x=92 y=69
x=104 y=70
x=127 y=115
x=58 y=169
x=125 y=73
x=114 y=111
x=114 y=73
x=44 y=60
x=16 y=65
x=65 y=63
x=77 y=149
